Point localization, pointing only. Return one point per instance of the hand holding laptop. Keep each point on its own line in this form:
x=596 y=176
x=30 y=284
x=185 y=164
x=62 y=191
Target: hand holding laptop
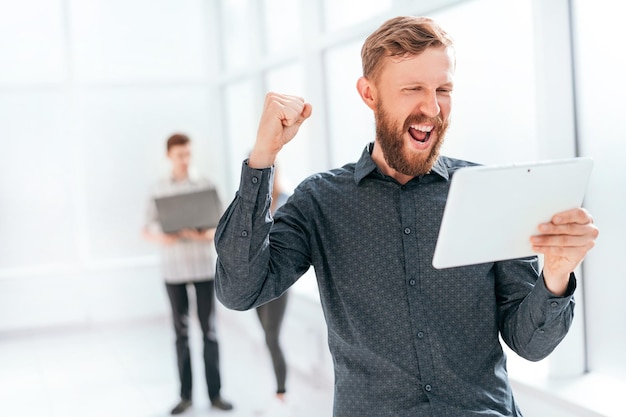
x=564 y=242
x=206 y=235
x=200 y=235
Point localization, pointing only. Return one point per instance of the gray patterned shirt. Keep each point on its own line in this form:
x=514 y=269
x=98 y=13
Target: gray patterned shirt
x=406 y=339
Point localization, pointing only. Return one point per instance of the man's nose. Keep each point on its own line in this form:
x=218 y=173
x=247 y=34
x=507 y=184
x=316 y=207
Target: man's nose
x=429 y=106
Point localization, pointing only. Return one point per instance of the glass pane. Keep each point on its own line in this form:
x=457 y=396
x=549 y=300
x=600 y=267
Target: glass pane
x=32 y=47
x=342 y=13
x=489 y=75
x=282 y=25
x=600 y=32
x=236 y=33
x=288 y=79
x=351 y=122
x=242 y=112
x=119 y=40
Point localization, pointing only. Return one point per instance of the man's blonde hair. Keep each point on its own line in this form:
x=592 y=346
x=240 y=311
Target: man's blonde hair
x=399 y=37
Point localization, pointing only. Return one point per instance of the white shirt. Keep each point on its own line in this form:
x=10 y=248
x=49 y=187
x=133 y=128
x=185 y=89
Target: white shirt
x=185 y=260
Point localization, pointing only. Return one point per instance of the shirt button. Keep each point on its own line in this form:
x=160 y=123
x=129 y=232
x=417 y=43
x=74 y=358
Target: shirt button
x=554 y=304
x=244 y=233
x=428 y=387
x=412 y=282
x=420 y=334
x=255 y=180
x=407 y=231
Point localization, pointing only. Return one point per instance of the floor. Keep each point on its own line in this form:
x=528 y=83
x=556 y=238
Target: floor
x=129 y=371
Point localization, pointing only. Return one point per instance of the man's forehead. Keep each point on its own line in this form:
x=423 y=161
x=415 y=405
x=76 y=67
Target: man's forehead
x=421 y=66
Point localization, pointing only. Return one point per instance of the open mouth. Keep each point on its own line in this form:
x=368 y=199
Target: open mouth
x=420 y=133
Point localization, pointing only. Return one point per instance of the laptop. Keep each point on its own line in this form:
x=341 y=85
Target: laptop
x=198 y=209
x=492 y=211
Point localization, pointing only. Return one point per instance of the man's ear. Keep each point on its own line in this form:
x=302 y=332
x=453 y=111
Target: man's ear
x=366 y=91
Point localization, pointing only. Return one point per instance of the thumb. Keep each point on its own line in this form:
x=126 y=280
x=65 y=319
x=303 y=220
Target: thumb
x=307 y=109
x=306 y=112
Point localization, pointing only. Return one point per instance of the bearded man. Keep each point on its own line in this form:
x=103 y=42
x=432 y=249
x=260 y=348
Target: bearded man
x=406 y=339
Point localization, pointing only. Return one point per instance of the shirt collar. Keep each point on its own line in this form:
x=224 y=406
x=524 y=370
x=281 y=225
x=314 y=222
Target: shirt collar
x=366 y=166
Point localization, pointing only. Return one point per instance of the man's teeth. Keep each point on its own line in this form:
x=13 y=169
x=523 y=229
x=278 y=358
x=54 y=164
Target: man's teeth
x=422 y=128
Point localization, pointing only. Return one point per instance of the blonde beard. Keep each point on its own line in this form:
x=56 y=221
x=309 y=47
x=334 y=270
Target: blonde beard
x=392 y=144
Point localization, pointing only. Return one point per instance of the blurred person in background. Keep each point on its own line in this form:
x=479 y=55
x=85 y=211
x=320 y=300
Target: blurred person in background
x=187 y=258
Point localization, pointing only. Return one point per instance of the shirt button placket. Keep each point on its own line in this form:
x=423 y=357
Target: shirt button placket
x=255 y=181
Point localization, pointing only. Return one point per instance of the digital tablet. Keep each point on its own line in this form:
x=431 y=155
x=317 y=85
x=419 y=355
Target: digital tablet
x=492 y=211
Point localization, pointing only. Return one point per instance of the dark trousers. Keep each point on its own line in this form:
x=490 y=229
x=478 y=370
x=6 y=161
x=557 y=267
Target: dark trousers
x=205 y=296
x=271 y=316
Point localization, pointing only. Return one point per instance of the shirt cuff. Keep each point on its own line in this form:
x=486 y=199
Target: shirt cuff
x=552 y=304
x=571 y=286
x=255 y=183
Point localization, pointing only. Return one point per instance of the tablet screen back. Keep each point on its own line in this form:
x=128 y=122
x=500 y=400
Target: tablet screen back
x=492 y=211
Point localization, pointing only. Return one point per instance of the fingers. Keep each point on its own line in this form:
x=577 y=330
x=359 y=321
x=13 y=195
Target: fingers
x=169 y=238
x=577 y=222
x=190 y=234
x=291 y=110
x=577 y=215
x=558 y=244
x=569 y=229
x=564 y=241
x=574 y=229
x=210 y=233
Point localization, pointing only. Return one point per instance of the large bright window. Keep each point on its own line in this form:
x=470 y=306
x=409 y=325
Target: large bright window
x=32 y=48
x=238 y=33
x=601 y=88
x=281 y=17
x=350 y=121
x=493 y=116
x=344 y=13
x=242 y=109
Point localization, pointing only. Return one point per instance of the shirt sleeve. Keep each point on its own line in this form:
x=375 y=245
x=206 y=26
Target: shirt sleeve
x=151 y=220
x=532 y=320
x=258 y=259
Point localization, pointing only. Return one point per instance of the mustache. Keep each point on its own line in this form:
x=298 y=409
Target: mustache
x=416 y=119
